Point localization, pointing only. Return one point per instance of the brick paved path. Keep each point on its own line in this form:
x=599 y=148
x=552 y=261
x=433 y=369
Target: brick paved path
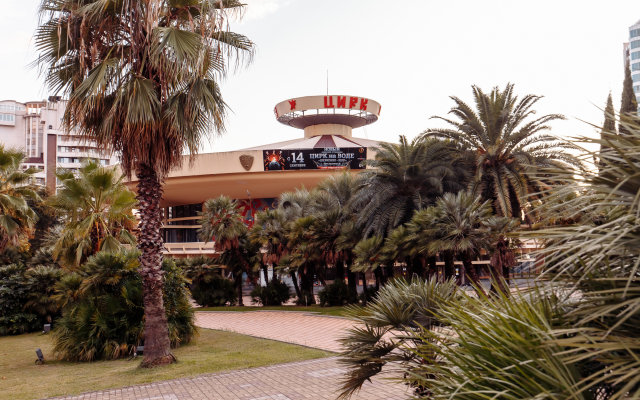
x=313 y=379
x=319 y=331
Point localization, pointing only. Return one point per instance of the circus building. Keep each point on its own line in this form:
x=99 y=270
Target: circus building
x=256 y=176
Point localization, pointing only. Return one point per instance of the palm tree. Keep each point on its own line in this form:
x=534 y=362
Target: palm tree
x=407 y=177
x=222 y=222
x=142 y=78
x=574 y=335
x=368 y=257
x=294 y=206
x=459 y=227
x=267 y=233
x=383 y=334
x=16 y=216
x=509 y=145
x=97 y=210
x=333 y=219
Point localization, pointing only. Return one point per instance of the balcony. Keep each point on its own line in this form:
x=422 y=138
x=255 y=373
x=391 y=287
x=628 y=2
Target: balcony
x=189 y=248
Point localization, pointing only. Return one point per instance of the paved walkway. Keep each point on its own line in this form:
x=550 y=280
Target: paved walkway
x=313 y=379
x=319 y=331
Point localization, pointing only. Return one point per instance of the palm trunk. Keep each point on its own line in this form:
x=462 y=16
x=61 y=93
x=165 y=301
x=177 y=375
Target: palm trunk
x=340 y=271
x=379 y=278
x=365 y=296
x=449 y=266
x=239 y=290
x=472 y=273
x=157 y=347
x=352 y=284
x=265 y=271
x=417 y=267
x=306 y=285
x=432 y=272
x=501 y=260
x=243 y=266
x=390 y=273
x=294 y=279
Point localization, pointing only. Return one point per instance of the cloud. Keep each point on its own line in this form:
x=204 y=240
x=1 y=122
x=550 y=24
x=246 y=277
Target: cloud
x=258 y=9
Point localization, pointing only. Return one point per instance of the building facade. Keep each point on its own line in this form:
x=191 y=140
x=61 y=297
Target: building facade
x=633 y=52
x=256 y=176
x=35 y=128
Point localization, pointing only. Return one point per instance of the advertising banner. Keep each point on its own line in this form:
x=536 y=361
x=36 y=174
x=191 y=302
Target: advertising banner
x=320 y=158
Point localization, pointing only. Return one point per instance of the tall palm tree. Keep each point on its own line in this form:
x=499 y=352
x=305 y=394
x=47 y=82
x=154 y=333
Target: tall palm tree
x=333 y=219
x=293 y=206
x=142 y=79
x=407 y=177
x=16 y=216
x=222 y=222
x=509 y=145
x=97 y=210
x=268 y=233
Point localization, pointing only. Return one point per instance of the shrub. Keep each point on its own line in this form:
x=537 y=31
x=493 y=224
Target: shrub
x=208 y=287
x=103 y=313
x=26 y=300
x=213 y=290
x=336 y=294
x=274 y=294
x=41 y=282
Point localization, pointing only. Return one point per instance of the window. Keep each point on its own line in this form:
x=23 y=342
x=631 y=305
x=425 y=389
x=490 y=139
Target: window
x=7 y=117
x=635 y=55
x=636 y=88
x=635 y=44
x=634 y=32
x=635 y=67
x=635 y=78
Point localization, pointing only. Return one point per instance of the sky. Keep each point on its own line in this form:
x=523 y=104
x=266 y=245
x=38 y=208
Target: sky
x=410 y=56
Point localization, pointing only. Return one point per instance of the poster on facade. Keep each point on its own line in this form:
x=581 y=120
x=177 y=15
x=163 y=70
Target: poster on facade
x=320 y=158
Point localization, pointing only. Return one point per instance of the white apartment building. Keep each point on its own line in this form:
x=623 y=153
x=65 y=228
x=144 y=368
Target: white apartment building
x=634 y=58
x=36 y=129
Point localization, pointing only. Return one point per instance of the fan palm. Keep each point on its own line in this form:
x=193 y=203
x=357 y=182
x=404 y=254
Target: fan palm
x=142 y=79
x=333 y=216
x=382 y=337
x=267 y=233
x=16 y=216
x=97 y=209
x=368 y=257
x=407 y=177
x=293 y=206
x=303 y=257
x=222 y=222
x=508 y=143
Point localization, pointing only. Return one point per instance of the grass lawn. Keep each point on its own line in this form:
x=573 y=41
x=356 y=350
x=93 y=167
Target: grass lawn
x=212 y=351
x=335 y=311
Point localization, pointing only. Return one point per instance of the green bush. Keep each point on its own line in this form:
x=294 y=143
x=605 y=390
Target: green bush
x=213 y=290
x=103 y=313
x=26 y=301
x=336 y=294
x=274 y=294
x=208 y=287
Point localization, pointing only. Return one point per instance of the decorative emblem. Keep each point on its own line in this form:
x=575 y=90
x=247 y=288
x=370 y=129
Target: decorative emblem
x=246 y=161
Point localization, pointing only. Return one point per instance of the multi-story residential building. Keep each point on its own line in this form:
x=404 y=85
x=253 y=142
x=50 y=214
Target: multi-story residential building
x=36 y=129
x=632 y=50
